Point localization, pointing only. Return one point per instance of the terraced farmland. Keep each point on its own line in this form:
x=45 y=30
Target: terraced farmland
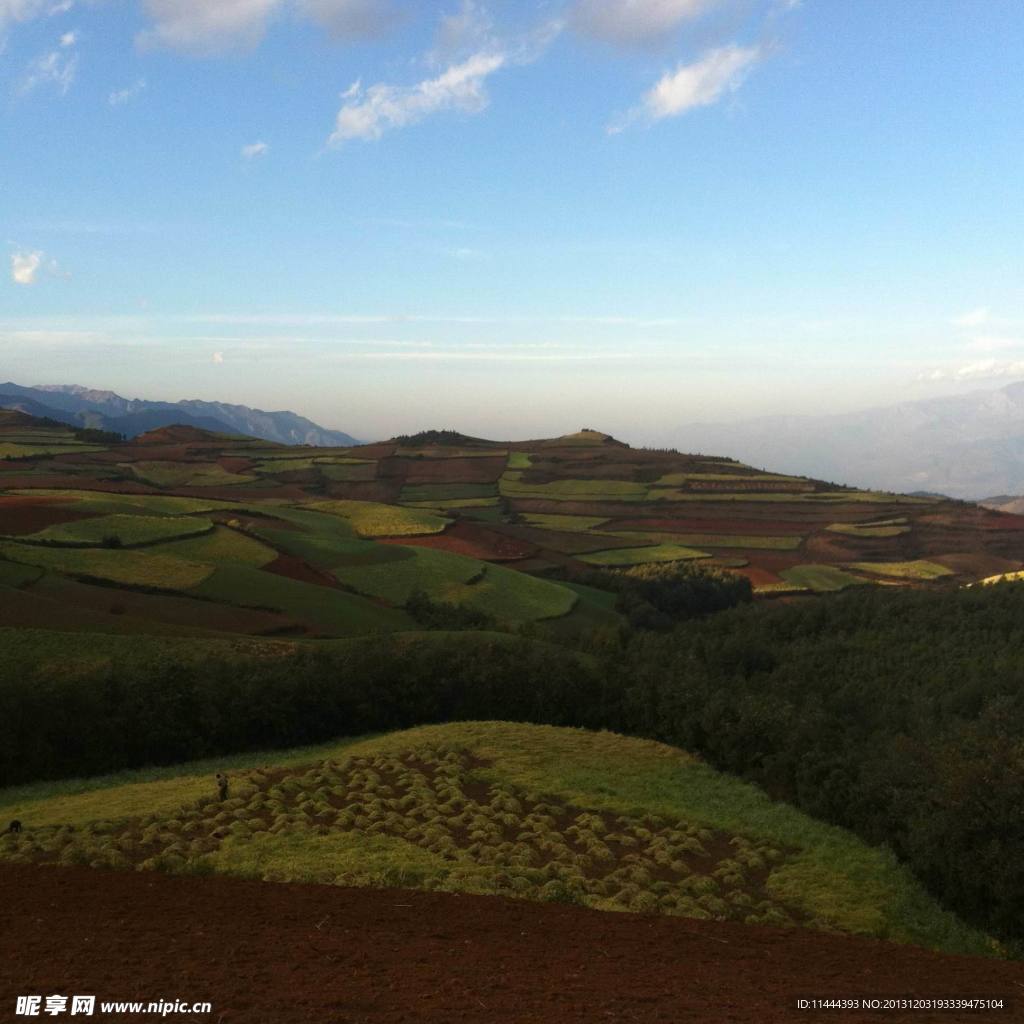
x=334 y=542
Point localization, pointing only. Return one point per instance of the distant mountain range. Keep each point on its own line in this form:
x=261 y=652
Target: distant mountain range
x=82 y=407
x=965 y=446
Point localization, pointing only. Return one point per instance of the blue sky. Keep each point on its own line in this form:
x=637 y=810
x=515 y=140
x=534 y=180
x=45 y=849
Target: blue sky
x=514 y=218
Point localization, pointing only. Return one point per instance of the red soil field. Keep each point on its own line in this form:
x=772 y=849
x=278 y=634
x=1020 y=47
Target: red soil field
x=464 y=538
x=266 y=953
x=298 y=569
x=757 y=576
x=24 y=515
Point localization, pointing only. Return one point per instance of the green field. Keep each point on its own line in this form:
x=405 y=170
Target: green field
x=129 y=568
x=327 y=611
x=34 y=451
x=517 y=810
x=223 y=545
x=186 y=474
x=512 y=486
x=508 y=595
x=519 y=460
x=820 y=578
x=129 y=530
x=132 y=504
x=446 y=492
x=643 y=556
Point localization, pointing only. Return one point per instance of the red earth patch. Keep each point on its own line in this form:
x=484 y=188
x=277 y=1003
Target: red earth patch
x=474 y=541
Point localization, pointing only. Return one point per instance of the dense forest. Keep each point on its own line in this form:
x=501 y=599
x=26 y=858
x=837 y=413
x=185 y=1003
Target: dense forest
x=897 y=714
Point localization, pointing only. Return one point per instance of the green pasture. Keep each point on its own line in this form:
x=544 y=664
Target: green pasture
x=865 y=530
x=222 y=545
x=132 y=504
x=35 y=451
x=519 y=460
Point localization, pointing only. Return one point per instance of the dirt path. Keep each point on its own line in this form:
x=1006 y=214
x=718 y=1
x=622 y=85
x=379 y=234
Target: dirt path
x=277 y=954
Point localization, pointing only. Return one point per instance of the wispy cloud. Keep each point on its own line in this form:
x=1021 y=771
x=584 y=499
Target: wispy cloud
x=634 y=22
x=120 y=97
x=973 y=318
x=57 y=68
x=254 y=150
x=368 y=114
x=994 y=343
x=25 y=10
x=25 y=267
x=701 y=84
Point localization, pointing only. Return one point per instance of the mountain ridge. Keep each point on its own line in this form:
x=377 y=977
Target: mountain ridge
x=86 y=407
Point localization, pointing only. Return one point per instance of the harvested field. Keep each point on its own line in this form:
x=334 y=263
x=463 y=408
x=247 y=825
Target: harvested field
x=371 y=519
x=445 y=471
x=20 y=515
x=474 y=541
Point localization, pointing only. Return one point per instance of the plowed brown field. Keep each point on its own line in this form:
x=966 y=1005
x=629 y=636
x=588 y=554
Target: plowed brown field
x=277 y=954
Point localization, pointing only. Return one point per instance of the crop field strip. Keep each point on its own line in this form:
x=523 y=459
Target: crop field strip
x=530 y=811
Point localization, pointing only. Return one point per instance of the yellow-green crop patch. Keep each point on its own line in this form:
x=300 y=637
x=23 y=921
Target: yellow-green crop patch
x=35 y=451
x=865 y=530
x=789 y=542
x=512 y=486
x=682 y=479
x=518 y=810
x=643 y=556
x=920 y=569
x=566 y=524
x=129 y=568
x=133 y=504
x=443 y=492
x=121 y=530
x=186 y=474
x=519 y=460
x=454 y=503
x=372 y=519
x=820 y=578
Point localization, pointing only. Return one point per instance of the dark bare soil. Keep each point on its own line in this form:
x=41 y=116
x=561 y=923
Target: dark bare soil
x=275 y=954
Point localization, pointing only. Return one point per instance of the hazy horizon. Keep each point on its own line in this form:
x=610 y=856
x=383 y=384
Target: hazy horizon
x=513 y=219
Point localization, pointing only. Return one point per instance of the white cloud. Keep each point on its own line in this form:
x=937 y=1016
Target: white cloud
x=700 y=84
x=634 y=22
x=57 y=68
x=367 y=114
x=467 y=30
x=207 y=26
x=983 y=369
x=21 y=10
x=25 y=267
x=255 y=150
x=994 y=343
x=122 y=96
x=974 y=318
x=351 y=19
x=218 y=358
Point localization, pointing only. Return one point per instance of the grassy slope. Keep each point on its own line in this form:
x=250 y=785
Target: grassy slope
x=825 y=877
